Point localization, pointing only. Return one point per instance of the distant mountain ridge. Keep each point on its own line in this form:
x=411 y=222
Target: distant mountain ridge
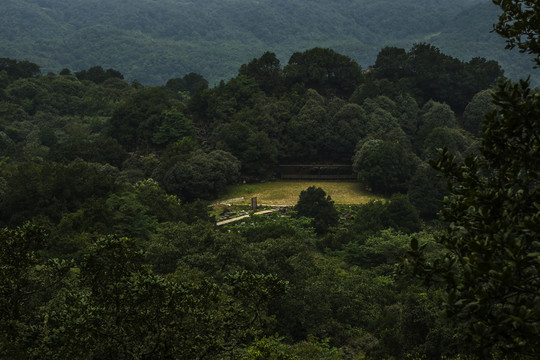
x=470 y=34
x=155 y=40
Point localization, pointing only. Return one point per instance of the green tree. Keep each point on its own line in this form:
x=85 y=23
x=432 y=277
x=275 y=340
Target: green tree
x=315 y=204
x=443 y=137
x=100 y=150
x=370 y=218
x=174 y=125
x=19 y=69
x=350 y=125
x=491 y=265
x=259 y=229
x=164 y=207
x=380 y=117
x=426 y=190
x=135 y=121
x=199 y=246
x=213 y=107
x=476 y=111
x=98 y=75
x=29 y=93
x=274 y=348
x=520 y=25
x=397 y=213
x=117 y=308
x=50 y=189
x=391 y=63
x=256 y=152
x=408 y=112
x=306 y=132
x=384 y=166
x=128 y=216
x=191 y=83
x=402 y=215
x=432 y=115
x=26 y=283
x=429 y=74
x=266 y=70
x=202 y=176
x=381 y=249
x=373 y=87
x=325 y=71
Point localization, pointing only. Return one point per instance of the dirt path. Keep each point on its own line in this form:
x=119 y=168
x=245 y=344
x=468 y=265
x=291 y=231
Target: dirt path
x=224 y=222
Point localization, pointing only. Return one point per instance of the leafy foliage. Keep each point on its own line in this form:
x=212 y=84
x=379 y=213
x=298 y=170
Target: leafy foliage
x=476 y=110
x=426 y=190
x=315 y=204
x=113 y=307
x=19 y=69
x=26 y=284
x=113 y=170
x=519 y=24
x=98 y=75
x=203 y=176
x=491 y=265
x=398 y=213
x=434 y=75
x=135 y=122
x=384 y=166
x=324 y=70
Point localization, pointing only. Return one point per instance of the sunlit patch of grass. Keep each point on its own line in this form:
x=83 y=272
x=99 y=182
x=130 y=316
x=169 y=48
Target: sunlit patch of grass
x=287 y=192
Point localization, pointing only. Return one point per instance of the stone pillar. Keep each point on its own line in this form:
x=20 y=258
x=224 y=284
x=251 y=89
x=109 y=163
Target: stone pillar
x=254 y=203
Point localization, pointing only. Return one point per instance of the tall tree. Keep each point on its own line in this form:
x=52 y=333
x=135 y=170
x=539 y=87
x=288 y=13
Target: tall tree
x=429 y=74
x=19 y=69
x=266 y=70
x=315 y=204
x=202 y=176
x=324 y=70
x=98 y=75
x=136 y=121
x=490 y=270
x=476 y=110
x=520 y=24
x=384 y=166
x=191 y=83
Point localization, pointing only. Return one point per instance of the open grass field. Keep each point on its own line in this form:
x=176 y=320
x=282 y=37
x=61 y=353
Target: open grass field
x=287 y=192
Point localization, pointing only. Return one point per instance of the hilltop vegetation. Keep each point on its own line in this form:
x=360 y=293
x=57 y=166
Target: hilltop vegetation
x=102 y=180
x=155 y=41
x=108 y=251
x=319 y=108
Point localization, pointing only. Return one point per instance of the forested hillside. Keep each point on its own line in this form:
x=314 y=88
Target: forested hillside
x=109 y=246
x=155 y=41
x=469 y=34
x=103 y=200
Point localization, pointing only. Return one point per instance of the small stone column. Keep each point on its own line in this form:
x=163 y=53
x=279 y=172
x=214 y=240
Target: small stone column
x=254 y=203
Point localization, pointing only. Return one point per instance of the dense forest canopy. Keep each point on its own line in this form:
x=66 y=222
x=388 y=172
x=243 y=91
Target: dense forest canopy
x=100 y=176
x=318 y=108
x=153 y=41
x=109 y=248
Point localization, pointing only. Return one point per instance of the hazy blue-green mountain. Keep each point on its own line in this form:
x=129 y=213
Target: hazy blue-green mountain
x=469 y=34
x=155 y=40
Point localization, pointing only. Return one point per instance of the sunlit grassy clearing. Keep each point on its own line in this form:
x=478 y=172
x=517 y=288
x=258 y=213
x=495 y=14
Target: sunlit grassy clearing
x=287 y=192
